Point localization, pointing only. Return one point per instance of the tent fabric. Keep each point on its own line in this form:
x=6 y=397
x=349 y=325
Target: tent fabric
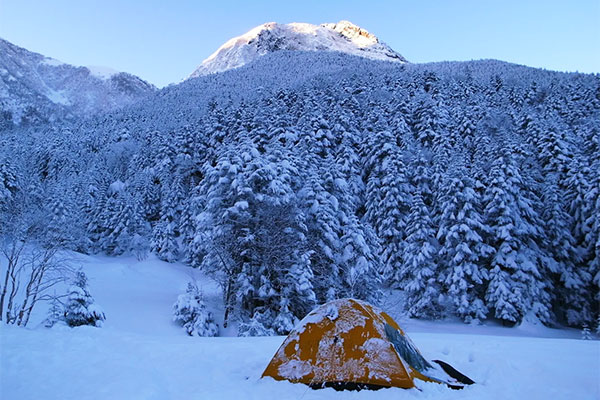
x=348 y=343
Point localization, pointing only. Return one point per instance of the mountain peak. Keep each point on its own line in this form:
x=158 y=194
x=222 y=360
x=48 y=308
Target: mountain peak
x=354 y=33
x=269 y=37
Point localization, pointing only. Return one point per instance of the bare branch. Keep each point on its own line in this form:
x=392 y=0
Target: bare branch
x=31 y=272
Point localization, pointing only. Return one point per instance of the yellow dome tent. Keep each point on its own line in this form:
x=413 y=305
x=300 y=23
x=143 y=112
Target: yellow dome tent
x=349 y=344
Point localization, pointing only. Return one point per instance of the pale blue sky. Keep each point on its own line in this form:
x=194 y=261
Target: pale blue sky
x=163 y=41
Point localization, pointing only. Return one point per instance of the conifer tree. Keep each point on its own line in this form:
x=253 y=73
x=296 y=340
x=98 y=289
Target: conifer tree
x=393 y=211
x=592 y=239
x=360 y=263
x=577 y=186
x=420 y=270
x=514 y=279
x=463 y=251
x=80 y=308
x=323 y=234
x=8 y=181
x=55 y=313
x=125 y=229
x=571 y=283
x=190 y=312
x=166 y=231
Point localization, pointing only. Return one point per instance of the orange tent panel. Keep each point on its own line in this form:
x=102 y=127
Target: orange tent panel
x=343 y=342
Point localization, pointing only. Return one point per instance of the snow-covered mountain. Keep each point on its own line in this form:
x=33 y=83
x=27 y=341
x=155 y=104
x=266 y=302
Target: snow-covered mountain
x=35 y=88
x=343 y=37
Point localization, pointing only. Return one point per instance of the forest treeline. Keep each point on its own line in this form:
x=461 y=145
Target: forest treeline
x=472 y=187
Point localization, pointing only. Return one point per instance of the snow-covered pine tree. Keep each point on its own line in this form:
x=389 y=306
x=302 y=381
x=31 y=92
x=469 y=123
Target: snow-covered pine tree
x=586 y=334
x=419 y=167
x=576 y=188
x=420 y=270
x=8 y=180
x=375 y=150
x=221 y=225
x=146 y=189
x=254 y=235
x=64 y=223
x=430 y=122
x=550 y=139
x=297 y=294
x=126 y=231
x=276 y=278
x=348 y=163
x=570 y=286
x=166 y=232
x=94 y=203
x=323 y=237
x=424 y=120
x=58 y=226
x=514 y=279
x=322 y=137
x=592 y=238
x=360 y=261
x=387 y=199
x=393 y=211
x=465 y=133
x=256 y=326
x=463 y=252
x=193 y=250
x=55 y=313
x=191 y=313
x=164 y=242
x=80 y=308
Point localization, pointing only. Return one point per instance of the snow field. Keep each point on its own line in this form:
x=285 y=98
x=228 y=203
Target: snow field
x=92 y=363
x=140 y=354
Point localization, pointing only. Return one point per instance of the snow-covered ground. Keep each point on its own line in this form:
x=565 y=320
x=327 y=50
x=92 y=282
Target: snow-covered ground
x=141 y=354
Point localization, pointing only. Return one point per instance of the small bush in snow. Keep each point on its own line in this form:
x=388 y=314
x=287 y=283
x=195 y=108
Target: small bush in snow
x=80 y=308
x=586 y=334
x=255 y=326
x=56 y=313
x=190 y=312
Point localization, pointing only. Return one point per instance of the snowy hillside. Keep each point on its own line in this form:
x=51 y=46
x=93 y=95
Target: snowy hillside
x=343 y=37
x=140 y=354
x=472 y=187
x=36 y=89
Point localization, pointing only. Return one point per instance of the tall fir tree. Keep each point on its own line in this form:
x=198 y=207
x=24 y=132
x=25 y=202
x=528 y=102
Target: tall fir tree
x=463 y=251
x=420 y=270
x=514 y=279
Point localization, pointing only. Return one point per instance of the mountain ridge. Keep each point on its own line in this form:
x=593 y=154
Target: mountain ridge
x=35 y=88
x=343 y=36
